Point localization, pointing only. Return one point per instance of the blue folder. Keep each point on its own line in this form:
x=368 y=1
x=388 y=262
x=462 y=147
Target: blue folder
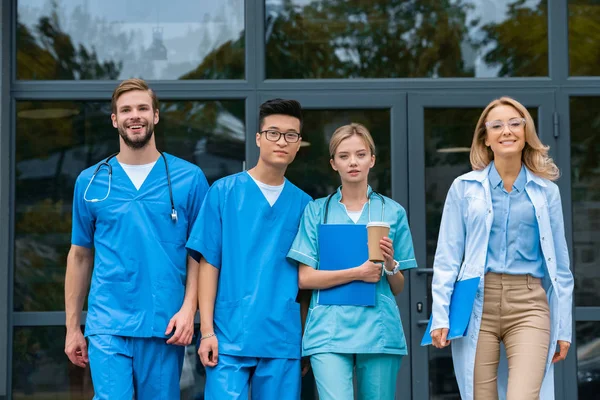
x=461 y=306
x=343 y=246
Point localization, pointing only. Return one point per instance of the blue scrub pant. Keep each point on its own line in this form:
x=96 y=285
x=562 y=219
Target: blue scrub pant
x=375 y=375
x=122 y=366
x=268 y=378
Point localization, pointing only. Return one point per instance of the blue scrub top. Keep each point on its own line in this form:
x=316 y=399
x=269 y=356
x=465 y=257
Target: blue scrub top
x=140 y=262
x=354 y=329
x=247 y=239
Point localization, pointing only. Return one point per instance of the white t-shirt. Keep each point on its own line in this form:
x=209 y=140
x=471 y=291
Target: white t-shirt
x=138 y=173
x=270 y=192
x=354 y=215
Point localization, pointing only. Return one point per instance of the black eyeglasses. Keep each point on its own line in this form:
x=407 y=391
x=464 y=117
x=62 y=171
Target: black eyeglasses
x=274 y=136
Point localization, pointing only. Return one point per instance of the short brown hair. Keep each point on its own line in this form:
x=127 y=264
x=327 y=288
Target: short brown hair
x=346 y=131
x=129 y=85
x=535 y=153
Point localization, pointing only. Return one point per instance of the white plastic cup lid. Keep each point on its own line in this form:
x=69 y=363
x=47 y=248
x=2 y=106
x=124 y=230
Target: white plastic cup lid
x=380 y=223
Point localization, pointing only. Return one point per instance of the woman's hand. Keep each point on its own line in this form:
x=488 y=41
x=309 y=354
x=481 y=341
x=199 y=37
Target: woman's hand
x=562 y=350
x=438 y=338
x=369 y=272
x=387 y=248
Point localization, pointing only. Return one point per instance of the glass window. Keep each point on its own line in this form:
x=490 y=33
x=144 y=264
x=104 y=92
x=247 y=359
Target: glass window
x=448 y=137
x=588 y=359
x=311 y=170
x=405 y=39
x=55 y=141
x=86 y=39
x=585 y=196
x=41 y=370
x=584 y=37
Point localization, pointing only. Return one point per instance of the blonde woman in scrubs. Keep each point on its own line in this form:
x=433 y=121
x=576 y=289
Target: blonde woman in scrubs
x=341 y=339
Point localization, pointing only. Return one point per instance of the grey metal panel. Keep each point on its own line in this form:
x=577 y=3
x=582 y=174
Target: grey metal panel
x=558 y=41
x=171 y=93
x=587 y=313
x=403 y=84
x=400 y=190
x=77 y=87
x=566 y=372
x=416 y=176
x=5 y=196
x=583 y=82
x=252 y=151
x=42 y=318
x=257 y=34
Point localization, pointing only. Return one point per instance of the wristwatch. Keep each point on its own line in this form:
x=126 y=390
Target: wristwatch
x=394 y=271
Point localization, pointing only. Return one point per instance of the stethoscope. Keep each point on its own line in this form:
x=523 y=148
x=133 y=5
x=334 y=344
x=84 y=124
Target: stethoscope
x=106 y=164
x=326 y=214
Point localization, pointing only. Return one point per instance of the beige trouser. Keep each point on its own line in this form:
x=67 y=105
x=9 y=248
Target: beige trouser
x=516 y=312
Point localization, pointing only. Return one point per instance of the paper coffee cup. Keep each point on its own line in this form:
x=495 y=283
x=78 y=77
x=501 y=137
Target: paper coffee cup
x=376 y=231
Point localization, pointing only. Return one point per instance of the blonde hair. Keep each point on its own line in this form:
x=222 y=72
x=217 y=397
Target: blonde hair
x=344 y=132
x=130 y=85
x=535 y=153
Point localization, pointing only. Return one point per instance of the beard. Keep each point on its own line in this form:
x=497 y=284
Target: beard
x=139 y=142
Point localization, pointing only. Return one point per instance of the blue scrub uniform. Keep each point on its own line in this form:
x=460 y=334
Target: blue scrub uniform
x=140 y=267
x=371 y=335
x=256 y=316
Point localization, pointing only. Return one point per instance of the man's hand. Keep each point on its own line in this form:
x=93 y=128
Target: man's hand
x=76 y=348
x=183 y=323
x=209 y=351
x=562 y=350
x=438 y=338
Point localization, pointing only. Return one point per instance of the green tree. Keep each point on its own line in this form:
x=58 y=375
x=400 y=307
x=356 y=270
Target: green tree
x=520 y=42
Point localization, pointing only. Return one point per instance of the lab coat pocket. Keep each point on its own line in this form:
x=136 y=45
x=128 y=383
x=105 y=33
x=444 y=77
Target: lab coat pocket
x=528 y=241
x=319 y=327
x=391 y=326
x=229 y=320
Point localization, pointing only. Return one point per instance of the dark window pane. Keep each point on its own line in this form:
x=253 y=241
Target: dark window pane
x=588 y=359
x=311 y=170
x=57 y=140
x=584 y=37
x=585 y=195
x=41 y=370
x=448 y=137
x=110 y=39
x=403 y=39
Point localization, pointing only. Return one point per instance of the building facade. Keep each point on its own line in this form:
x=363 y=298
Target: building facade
x=417 y=73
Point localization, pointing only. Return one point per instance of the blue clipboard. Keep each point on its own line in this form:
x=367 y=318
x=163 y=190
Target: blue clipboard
x=461 y=306
x=343 y=246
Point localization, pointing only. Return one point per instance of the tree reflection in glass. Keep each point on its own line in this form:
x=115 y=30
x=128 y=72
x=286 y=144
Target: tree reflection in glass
x=68 y=40
x=403 y=39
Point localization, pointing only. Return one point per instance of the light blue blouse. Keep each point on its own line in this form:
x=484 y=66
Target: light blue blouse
x=514 y=246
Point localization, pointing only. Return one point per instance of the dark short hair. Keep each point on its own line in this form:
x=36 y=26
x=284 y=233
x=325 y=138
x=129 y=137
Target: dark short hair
x=278 y=106
x=129 y=85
